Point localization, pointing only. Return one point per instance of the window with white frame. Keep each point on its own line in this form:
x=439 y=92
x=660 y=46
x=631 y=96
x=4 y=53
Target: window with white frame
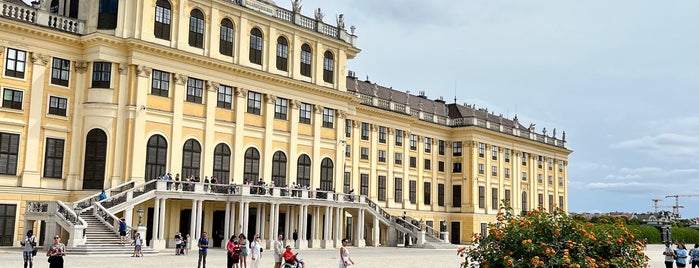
x=15 y=63
x=305 y=113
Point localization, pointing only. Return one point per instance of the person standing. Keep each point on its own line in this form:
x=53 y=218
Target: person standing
x=255 y=251
x=103 y=195
x=203 y=246
x=345 y=259
x=122 y=230
x=138 y=244
x=681 y=255
x=694 y=256
x=669 y=255
x=56 y=252
x=278 y=251
x=231 y=248
x=29 y=244
x=295 y=235
x=245 y=251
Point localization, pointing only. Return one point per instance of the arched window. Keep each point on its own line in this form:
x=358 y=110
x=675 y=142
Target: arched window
x=282 y=54
x=196 y=28
x=251 y=171
x=303 y=170
x=156 y=157
x=328 y=67
x=256 y=46
x=163 y=17
x=191 y=157
x=306 y=56
x=222 y=163
x=524 y=203
x=225 y=46
x=326 y=174
x=279 y=169
x=107 y=17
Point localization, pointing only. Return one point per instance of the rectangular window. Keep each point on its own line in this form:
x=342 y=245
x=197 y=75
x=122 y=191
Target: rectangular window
x=456 y=148
x=427 y=193
x=364 y=188
x=560 y=181
x=398 y=186
x=348 y=128
x=541 y=201
x=328 y=117
x=364 y=153
x=428 y=164
x=225 y=45
x=58 y=106
x=560 y=165
x=60 y=72
x=306 y=63
x=507 y=155
x=428 y=145
x=456 y=168
x=550 y=202
x=254 y=102
x=539 y=162
x=524 y=176
x=413 y=162
x=282 y=54
x=399 y=137
x=494 y=202
x=413 y=142
x=160 y=83
x=440 y=194
x=494 y=152
x=15 y=63
x=524 y=159
x=550 y=163
x=456 y=196
x=507 y=197
x=507 y=173
x=346 y=182
x=382 y=156
x=539 y=178
x=481 y=169
x=481 y=196
x=550 y=180
x=382 y=188
x=53 y=158
x=195 y=90
x=328 y=67
x=365 y=131
x=305 y=113
x=224 y=98
x=441 y=147
x=481 y=149
x=560 y=201
x=494 y=171
x=399 y=158
x=12 y=99
x=348 y=150
x=101 y=74
x=440 y=166
x=413 y=191
x=9 y=151
x=281 y=108
x=382 y=135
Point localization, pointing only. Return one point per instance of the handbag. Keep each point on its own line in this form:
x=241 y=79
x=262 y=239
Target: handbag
x=34 y=252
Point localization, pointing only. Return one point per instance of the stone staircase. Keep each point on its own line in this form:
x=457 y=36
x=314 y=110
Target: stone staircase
x=102 y=240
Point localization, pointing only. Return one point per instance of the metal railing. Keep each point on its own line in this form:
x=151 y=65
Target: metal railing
x=86 y=202
x=110 y=220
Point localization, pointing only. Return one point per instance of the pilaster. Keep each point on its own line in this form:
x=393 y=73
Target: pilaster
x=119 y=133
x=293 y=140
x=238 y=150
x=30 y=174
x=268 y=151
x=139 y=139
x=317 y=122
x=74 y=179
x=176 y=143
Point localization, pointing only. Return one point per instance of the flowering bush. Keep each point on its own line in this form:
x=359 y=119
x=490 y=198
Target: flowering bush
x=543 y=239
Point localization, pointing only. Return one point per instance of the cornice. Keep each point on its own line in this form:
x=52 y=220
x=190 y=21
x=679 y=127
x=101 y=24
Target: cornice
x=39 y=32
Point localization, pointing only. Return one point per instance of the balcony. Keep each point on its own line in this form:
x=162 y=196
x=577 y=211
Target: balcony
x=39 y=14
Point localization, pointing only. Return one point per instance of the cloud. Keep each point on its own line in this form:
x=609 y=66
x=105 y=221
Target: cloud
x=665 y=145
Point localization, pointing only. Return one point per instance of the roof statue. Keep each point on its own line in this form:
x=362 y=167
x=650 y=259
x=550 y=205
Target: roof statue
x=352 y=29
x=554 y=132
x=543 y=131
x=564 y=136
x=319 y=15
x=532 y=127
x=341 y=21
x=296 y=6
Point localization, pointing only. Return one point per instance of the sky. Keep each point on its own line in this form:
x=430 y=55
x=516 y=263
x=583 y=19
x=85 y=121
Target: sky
x=620 y=77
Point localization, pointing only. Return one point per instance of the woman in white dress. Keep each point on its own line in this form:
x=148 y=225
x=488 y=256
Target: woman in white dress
x=255 y=251
x=345 y=260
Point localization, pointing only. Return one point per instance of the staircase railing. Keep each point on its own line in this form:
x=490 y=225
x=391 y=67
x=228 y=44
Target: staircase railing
x=128 y=193
x=63 y=214
x=87 y=202
x=432 y=232
x=110 y=220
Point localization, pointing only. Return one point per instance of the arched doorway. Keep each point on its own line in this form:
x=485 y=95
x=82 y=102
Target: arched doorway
x=95 y=159
x=326 y=174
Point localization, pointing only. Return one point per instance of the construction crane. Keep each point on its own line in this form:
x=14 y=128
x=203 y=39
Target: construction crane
x=656 y=206
x=676 y=207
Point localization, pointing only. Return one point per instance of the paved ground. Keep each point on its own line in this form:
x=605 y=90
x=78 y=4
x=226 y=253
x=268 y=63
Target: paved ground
x=364 y=258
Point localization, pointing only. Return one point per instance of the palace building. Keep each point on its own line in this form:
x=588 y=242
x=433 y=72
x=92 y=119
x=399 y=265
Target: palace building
x=115 y=94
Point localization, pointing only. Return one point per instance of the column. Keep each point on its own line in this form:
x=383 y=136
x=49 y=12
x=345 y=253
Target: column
x=231 y=228
x=246 y=217
x=339 y=151
x=272 y=217
x=200 y=209
x=287 y=226
x=241 y=214
x=259 y=218
x=376 y=229
x=238 y=152
x=302 y=243
x=161 y=220
x=227 y=224
x=156 y=223
x=263 y=221
x=75 y=162
x=315 y=238
x=193 y=220
x=327 y=234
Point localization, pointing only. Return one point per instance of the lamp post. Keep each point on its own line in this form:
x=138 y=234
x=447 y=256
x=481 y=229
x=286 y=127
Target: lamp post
x=78 y=211
x=140 y=215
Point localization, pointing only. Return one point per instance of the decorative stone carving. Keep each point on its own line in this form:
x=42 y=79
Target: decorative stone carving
x=180 y=79
x=532 y=127
x=319 y=15
x=374 y=127
x=376 y=90
x=123 y=67
x=543 y=131
x=554 y=133
x=271 y=99
x=296 y=6
x=39 y=59
x=352 y=29
x=143 y=71
x=80 y=67
x=241 y=92
x=295 y=104
x=2 y=50
x=211 y=86
x=341 y=21
x=341 y=114
x=564 y=136
x=317 y=108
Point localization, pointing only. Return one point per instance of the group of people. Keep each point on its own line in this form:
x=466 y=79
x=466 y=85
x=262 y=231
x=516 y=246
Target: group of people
x=182 y=244
x=681 y=256
x=239 y=248
x=55 y=252
x=186 y=184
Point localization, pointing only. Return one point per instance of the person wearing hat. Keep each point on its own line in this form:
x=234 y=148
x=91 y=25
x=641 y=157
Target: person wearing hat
x=290 y=257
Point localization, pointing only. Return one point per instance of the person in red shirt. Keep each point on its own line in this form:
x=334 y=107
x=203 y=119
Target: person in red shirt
x=290 y=257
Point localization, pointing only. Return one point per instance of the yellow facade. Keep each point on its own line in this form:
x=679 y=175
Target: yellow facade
x=129 y=112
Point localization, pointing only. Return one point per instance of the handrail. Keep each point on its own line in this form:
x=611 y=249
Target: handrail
x=110 y=220
x=38 y=206
x=432 y=231
x=122 y=197
x=86 y=202
x=69 y=215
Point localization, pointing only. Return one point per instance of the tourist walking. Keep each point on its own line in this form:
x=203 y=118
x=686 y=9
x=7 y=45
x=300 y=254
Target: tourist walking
x=138 y=243
x=669 y=255
x=345 y=259
x=244 y=251
x=232 y=258
x=203 y=246
x=278 y=251
x=122 y=231
x=295 y=235
x=56 y=252
x=694 y=255
x=29 y=244
x=681 y=253
x=255 y=251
